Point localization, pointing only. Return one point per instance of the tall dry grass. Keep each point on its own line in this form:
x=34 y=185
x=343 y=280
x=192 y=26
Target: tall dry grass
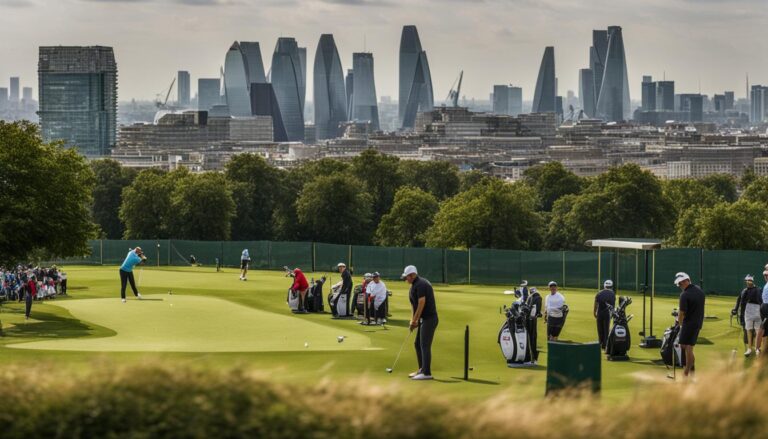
x=158 y=400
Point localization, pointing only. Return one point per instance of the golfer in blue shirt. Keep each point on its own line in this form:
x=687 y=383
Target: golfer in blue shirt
x=134 y=257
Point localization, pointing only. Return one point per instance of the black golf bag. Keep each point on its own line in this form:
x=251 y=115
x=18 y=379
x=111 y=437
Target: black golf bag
x=618 y=342
x=339 y=303
x=513 y=336
x=358 y=301
x=315 y=296
x=671 y=352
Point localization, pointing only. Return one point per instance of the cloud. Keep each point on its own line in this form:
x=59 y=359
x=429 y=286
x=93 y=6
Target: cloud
x=16 y=3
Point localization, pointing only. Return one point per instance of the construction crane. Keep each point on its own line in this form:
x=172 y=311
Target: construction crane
x=163 y=103
x=453 y=95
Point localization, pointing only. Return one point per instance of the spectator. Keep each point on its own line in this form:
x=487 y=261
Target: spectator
x=604 y=300
x=524 y=291
x=30 y=295
x=763 y=315
x=377 y=294
x=748 y=310
x=691 y=318
x=346 y=283
x=555 y=315
x=245 y=260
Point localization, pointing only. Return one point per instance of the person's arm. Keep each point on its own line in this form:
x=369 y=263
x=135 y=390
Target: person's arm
x=417 y=313
x=594 y=311
x=681 y=308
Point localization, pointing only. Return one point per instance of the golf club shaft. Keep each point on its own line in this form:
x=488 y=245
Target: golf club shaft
x=407 y=336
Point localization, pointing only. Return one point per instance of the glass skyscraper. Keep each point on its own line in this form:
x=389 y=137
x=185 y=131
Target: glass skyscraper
x=183 y=88
x=330 y=96
x=415 y=78
x=208 y=93
x=364 y=104
x=287 y=77
x=78 y=97
x=544 y=97
x=613 y=102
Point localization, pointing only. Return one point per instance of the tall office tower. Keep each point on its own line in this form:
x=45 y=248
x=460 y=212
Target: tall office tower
x=545 y=95
x=286 y=80
x=693 y=105
x=330 y=94
x=364 y=103
x=500 y=101
x=78 y=97
x=758 y=99
x=665 y=95
x=183 y=88
x=14 y=97
x=719 y=103
x=303 y=79
x=587 y=91
x=264 y=103
x=597 y=54
x=515 y=100
x=649 y=94
x=613 y=103
x=208 y=93
x=729 y=100
x=254 y=66
x=26 y=94
x=236 y=82
x=415 y=81
x=559 y=106
x=350 y=87
x=3 y=98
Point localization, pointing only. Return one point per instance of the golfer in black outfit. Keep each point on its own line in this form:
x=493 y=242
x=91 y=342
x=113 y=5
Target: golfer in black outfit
x=346 y=284
x=422 y=298
x=534 y=302
x=691 y=318
x=605 y=298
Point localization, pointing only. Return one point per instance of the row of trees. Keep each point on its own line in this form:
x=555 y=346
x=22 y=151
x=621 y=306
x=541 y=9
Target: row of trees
x=379 y=199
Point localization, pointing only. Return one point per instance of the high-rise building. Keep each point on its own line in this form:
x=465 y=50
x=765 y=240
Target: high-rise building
x=613 y=102
x=264 y=103
x=330 y=95
x=303 y=78
x=183 y=88
x=729 y=100
x=208 y=93
x=3 y=98
x=693 y=105
x=545 y=95
x=236 y=85
x=287 y=83
x=719 y=103
x=649 y=94
x=364 y=103
x=26 y=94
x=587 y=91
x=665 y=95
x=597 y=54
x=559 y=107
x=507 y=100
x=349 y=83
x=415 y=81
x=14 y=97
x=78 y=97
x=254 y=65
x=758 y=97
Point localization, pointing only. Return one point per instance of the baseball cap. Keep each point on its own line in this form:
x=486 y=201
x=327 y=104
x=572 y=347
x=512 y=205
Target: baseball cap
x=341 y=264
x=608 y=283
x=552 y=284
x=376 y=274
x=681 y=276
x=524 y=283
x=749 y=278
x=367 y=275
x=411 y=269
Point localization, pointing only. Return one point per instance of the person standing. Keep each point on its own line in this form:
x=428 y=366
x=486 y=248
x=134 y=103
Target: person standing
x=763 y=315
x=30 y=296
x=524 y=290
x=534 y=303
x=555 y=315
x=133 y=258
x=424 y=319
x=245 y=259
x=377 y=293
x=300 y=285
x=748 y=310
x=690 y=318
x=63 y=284
x=604 y=300
x=346 y=284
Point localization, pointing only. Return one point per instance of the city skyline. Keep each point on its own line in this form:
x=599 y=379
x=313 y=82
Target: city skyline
x=494 y=42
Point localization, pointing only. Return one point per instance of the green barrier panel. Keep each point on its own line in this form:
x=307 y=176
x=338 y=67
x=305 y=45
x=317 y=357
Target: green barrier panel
x=257 y=250
x=572 y=365
x=671 y=261
x=495 y=267
x=93 y=257
x=205 y=252
x=115 y=251
x=457 y=266
x=724 y=270
x=539 y=268
x=291 y=254
x=328 y=256
x=628 y=278
x=429 y=262
x=581 y=269
x=388 y=261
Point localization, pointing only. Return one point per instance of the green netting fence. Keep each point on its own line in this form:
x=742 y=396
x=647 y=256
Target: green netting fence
x=718 y=271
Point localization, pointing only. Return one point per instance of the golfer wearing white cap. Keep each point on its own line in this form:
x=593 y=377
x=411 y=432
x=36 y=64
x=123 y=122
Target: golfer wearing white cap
x=690 y=318
x=422 y=298
x=555 y=315
x=603 y=299
x=346 y=283
x=748 y=310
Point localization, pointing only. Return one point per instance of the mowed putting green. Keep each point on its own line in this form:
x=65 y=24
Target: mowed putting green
x=182 y=323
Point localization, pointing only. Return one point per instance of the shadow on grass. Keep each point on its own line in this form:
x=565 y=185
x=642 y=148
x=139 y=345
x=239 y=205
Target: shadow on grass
x=398 y=322
x=49 y=326
x=478 y=381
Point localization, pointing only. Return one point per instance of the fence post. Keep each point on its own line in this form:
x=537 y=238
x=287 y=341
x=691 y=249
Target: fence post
x=101 y=251
x=563 y=268
x=349 y=256
x=169 y=252
x=313 y=257
x=469 y=266
x=445 y=266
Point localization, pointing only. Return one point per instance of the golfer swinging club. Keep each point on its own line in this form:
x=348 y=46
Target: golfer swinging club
x=134 y=257
x=422 y=298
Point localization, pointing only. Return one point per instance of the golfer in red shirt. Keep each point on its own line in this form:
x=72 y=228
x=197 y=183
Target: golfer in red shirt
x=301 y=285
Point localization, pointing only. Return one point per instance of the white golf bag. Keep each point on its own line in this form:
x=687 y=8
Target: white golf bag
x=293 y=299
x=338 y=302
x=513 y=336
x=671 y=352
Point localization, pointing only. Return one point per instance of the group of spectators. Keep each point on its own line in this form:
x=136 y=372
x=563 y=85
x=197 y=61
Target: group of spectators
x=28 y=283
x=752 y=311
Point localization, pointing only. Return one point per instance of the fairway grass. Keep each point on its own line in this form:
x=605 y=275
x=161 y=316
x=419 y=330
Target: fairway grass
x=218 y=322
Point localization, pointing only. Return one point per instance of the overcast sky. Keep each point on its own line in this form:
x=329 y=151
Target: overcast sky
x=714 y=42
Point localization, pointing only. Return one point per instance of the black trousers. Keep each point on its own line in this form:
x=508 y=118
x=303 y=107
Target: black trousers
x=603 y=328
x=63 y=286
x=423 y=344
x=532 y=338
x=127 y=276
x=28 y=304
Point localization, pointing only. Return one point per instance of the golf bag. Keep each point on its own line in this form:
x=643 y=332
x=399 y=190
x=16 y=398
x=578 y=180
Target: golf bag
x=359 y=301
x=293 y=299
x=671 y=352
x=338 y=302
x=513 y=336
x=314 y=297
x=618 y=342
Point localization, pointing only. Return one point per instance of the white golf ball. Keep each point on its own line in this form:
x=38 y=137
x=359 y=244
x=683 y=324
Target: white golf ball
x=306 y=345
x=171 y=304
x=340 y=338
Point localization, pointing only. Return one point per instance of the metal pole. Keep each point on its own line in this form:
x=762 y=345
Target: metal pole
x=645 y=288
x=469 y=266
x=563 y=268
x=101 y=251
x=599 y=261
x=466 y=353
x=653 y=289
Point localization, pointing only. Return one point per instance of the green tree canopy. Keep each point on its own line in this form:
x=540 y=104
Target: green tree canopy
x=551 y=181
x=202 y=208
x=45 y=194
x=111 y=179
x=406 y=224
x=724 y=186
x=742 y=225
x=255 y=191
x=560 y=231
x=440 y=179
x=493 y=214
x=335 y=209
x=146 y=207
x=469 y=179
x=379 y=173
x=757 y=190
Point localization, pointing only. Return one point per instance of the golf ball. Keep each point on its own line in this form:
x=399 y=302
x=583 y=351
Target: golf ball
x=340 y=338
x=306 y=345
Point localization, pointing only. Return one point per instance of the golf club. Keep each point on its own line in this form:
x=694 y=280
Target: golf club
x=141 y=272
x=407 y=336
x=509 y=293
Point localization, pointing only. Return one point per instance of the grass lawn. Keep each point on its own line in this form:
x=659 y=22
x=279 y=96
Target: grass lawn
x=213 y=320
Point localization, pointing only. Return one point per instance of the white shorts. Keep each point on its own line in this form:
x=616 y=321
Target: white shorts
x=752 y=318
